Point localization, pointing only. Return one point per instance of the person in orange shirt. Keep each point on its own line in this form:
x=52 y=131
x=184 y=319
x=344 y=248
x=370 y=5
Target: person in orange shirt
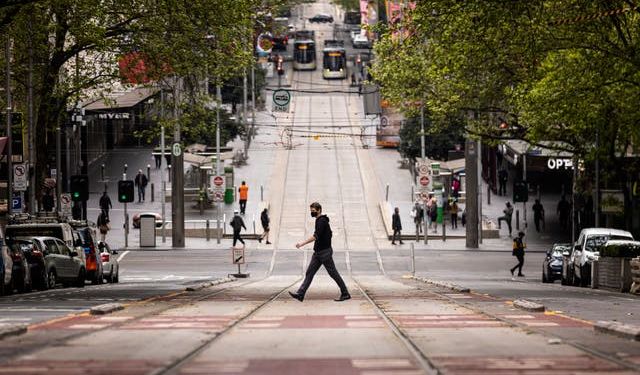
x=244 y=195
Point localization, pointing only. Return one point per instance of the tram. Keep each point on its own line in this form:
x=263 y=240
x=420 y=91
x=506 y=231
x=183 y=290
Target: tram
x=304 y=54
x=334 y=60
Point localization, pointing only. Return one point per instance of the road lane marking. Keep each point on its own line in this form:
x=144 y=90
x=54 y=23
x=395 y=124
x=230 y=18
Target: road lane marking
x=122 y=256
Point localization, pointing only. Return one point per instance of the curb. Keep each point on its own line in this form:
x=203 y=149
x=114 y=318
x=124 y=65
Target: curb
x=107 y=308
x=626 y=331
x=12 y=330
x=454 y=287
x=210 y=283
x=528 y=305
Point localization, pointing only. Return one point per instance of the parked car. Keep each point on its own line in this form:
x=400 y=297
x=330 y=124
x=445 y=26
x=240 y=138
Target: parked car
x=63 y=263
x=85 y=241
x=6 y=266
x=354 y=33
x=35 y=259
x=62 y=231
x=361 y=41
x=552 y=263
x=110 y=263
x=321 y=18
x=577 y=271
x=135 y=221
x=21 y=272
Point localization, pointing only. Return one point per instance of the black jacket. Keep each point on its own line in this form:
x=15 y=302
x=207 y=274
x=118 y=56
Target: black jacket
x=322 y=233
x=395 y=222
x=264 y=218
x=105 y=202
x=141 y=180
x=237 y=223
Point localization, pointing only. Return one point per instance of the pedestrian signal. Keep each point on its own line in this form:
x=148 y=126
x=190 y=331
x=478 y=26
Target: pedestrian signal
x=125 y=191
x=280 y=66
x=520 y=191
x=79 y=188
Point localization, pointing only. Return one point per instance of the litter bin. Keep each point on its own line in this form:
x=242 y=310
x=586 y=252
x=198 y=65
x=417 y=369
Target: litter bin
x=147 y=230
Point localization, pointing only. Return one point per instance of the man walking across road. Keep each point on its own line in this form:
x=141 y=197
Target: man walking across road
x=237 y=224
x=244 y=195
x=141 y=182
x=322 y=255
x=518 y=252
x=103 y=225
x=508 y=213
x=105 y=203
x=563 y=212
x=396 y=225
x=538 y=214
x=264 y=219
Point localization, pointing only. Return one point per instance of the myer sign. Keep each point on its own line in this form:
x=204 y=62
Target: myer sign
x=281 y=100
x=560 y=163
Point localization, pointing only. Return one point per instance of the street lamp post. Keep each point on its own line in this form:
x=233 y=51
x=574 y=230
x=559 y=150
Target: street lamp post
x=9 y=140
x=218 y=104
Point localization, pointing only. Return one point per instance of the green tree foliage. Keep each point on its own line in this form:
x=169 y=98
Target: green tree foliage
x=554 y=70
x=438 y=142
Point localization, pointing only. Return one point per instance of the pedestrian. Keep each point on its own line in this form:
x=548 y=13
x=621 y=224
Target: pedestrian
x=455 y=187
x=418 y=216
x=244 y=195
x=47 y=201
x=237 y=224
x=264 y=218
x=158 y=158
x=453 y=210
x=463 y=220
x=563 y=212
x=518 y=252
x=141 y=182
x=396 y=225
x=353 y=79
x=508 y=213
x=103 y=225
x=538 y=214
x=433 y=214
x=322 y=255
x=503 y=177
x=105 y=203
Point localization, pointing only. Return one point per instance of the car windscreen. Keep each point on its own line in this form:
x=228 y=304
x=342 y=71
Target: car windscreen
x=19 y=245
x=595 y=241
x=29 y=231
x=84 y=237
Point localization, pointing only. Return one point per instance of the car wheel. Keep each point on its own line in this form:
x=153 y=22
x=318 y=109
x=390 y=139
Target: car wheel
x=20 y=285
x=544 y=277
x=43 y=284
x=52 y=279
x=80 y=279
x=96 y=278
x=116 y=278
x=585 y=276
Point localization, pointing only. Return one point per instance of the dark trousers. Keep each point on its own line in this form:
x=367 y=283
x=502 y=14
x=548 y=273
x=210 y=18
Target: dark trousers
x=105 y=211
x=236 y=237
x=537 y=220
x=519 y=265
x=243 y=205
x=454 y=221
x=396 y=234
x=140 y=193
x=507 y=219
x=502 y=187
x=324 y=258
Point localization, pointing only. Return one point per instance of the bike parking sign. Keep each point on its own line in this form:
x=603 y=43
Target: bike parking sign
x=281 y=100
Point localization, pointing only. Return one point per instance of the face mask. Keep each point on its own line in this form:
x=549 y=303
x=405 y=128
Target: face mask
x=314 y=213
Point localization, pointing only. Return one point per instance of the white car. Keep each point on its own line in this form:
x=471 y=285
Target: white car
x=585 y=251
x=110 y=265
x=361 y=41
x=355 y=33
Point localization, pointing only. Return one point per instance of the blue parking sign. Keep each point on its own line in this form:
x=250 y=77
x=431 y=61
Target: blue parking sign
x=16 y=203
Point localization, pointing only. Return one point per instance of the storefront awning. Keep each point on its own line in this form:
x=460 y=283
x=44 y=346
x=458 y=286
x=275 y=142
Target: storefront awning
x=513 y=150
x=122 y=100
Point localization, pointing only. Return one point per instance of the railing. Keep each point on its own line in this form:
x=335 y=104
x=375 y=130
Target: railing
x=193 y=227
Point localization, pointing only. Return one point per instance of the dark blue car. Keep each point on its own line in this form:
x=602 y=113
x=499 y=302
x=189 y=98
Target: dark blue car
x=552 y=264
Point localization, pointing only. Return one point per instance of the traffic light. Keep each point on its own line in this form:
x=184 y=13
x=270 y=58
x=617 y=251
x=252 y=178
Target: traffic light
x=280 y=66
x=79 y=188
x=520 y=191
x=125 y=191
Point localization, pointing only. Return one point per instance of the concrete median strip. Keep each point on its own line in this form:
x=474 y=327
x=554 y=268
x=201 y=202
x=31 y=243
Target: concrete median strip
x=107 y=308
x=528 y=305
x=627 y=331
x=209 y=283
x=12 y=330
x=454 y=287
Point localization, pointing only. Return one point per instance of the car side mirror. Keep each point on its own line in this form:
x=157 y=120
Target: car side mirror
x=77 y=243
x=548 y=253
x=73 y=254
x=566 y=253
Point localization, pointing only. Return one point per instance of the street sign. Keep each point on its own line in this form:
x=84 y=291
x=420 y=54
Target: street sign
x=176 y=149
x=218 y=195
x=19 y=177
x=65 y=202
x=218 y=181
x=423 y=169
x=424 y=181
x=281 y=100
x=238 y=255
x=16 y=203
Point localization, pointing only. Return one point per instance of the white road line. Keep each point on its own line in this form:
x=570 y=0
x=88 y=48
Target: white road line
x=122 y=256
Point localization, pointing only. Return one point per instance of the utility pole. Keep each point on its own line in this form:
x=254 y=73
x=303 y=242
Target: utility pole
x=9 y=143
x=59 y=165
x=478 y=162
x=32 y=159
x=471 y=197
x=218 y=105
x=162 y=170
x=423 y=154
x=596 y=198
x=177 y=186
x=244 y=114
x=253 y=97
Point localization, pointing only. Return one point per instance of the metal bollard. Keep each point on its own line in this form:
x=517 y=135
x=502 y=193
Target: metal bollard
x=208 y=234
x=413 y=193
x=488 y=195
x=517 y=219
x=444 y=230
x=413 y=259
x=152 y=192
x=102 y=172
x=261 y=193
x=149 y=172
x=169 y=169
x=254 y=225
x=387 y=194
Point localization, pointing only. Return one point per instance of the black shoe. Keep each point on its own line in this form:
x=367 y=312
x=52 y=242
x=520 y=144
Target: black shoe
x=401 y=243
x=393 y=243
x=297 y=296
x=259 y=239
x=343 y=297
x=511 y=273
x=268 y=243
x=520 y=275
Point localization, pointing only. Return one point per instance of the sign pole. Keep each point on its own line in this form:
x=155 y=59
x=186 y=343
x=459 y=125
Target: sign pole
x=9 y=140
